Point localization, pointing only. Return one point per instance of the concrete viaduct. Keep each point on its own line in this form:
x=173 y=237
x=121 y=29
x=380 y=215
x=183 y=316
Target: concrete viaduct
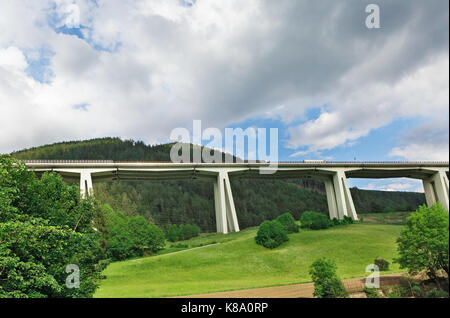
x=434 y=175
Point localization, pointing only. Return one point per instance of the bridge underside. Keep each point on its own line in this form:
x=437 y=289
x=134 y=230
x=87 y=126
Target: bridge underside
x=340 y=203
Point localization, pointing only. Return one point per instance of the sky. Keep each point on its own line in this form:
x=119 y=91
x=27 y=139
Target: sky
x=335 y=89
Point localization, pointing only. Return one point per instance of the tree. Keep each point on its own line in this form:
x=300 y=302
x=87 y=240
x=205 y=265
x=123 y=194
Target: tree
x=424 y=242
x=271 y=234
x=45 y=226
x=183 y=232
x=173 y=233
x=128 y=237
x=288 y=222
x=326 y=282
x=314 y=220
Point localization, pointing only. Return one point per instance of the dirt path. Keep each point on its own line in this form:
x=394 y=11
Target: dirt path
x=296 y=291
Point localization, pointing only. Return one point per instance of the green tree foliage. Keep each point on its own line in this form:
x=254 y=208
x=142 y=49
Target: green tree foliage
x=383 y=265
x=173 y=233
x=373 y=201
x=271 y=234
x=326 y=282
x=424 y=242
x=347 y=220
x=188 y=231
x=288 y=222
x=314 y=221
x=45 y=226
x=128 y=237
x=182 y=232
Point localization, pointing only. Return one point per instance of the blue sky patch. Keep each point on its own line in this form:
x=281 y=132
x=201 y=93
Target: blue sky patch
x=39 y=64
x=83 y=107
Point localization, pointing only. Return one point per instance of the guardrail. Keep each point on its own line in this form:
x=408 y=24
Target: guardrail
x=243 y=162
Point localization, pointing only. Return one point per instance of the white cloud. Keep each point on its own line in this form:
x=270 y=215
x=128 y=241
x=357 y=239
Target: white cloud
x=418 y=152
x=12 y=59
x=399 y=184
x=427 y=141
x=162 y=64
x=298 y=154
x=372 y=105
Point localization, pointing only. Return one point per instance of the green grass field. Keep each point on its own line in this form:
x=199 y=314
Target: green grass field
x=238 y=263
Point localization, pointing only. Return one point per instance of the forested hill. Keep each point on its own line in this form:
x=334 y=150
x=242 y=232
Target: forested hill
x=191 y=201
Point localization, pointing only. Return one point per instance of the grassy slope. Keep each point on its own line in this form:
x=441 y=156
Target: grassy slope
x=238 y=263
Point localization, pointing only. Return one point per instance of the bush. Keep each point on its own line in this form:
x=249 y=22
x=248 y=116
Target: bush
x=288 y=222
x=195 y=230
x=130 y=236
x=182 y=232
x=173 y=233
x=314 y=220
x=383 y=265
x=348 y=220
x=372 y=292
x=336 y=222
x=326 y=282
x=424 y=242
x=391 y=291
x=436 y=293
x=188 y=231
x=417 y=291
x=271 y=234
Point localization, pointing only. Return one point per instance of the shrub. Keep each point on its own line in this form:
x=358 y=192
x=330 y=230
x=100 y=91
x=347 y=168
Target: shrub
x=195 y=230
x=131 y=236
x=391 y=291
x=347 y=220
x=154 y=238
x=182 y=232
x=188 y=231
x=383 y=265
x=326 y=282
x=314 y=220
x=336 y=221
x=271 y=234
x=424 y=242
x=417 y=291
x=372 y=292
x=173 y=233
x=288 y=222
x=436 y=293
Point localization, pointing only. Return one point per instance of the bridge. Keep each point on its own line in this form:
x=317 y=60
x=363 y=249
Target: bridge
x=434 y=175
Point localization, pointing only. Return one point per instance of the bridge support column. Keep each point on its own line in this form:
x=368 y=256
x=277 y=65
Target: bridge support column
x=226 y=219
x=86 y=187
x=331 y=198
x=437 y=189
x=340 y=202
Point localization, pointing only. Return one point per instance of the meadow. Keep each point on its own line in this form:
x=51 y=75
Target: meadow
x=235 y=262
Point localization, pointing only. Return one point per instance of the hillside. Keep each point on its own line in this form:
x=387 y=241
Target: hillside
x=191 y=201
x=237 y=262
